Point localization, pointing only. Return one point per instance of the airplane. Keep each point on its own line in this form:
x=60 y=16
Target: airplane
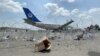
x=34 y=21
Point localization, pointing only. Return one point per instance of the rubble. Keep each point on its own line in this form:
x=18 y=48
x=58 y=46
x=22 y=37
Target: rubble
x=80 y=36
x=86 y=34
x=43 y=45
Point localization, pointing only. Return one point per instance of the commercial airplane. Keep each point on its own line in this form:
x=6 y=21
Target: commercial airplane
x=32 y=20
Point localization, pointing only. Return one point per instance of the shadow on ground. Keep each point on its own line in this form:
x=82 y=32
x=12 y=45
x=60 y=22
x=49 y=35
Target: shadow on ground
x=92 y=53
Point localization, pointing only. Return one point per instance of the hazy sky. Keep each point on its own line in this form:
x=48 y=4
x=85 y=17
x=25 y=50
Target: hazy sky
x=83 y=12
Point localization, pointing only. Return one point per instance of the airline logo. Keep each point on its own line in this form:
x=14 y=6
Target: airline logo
x=30 y=15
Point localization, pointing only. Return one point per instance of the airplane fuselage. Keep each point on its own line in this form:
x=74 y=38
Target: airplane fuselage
x=42 y=25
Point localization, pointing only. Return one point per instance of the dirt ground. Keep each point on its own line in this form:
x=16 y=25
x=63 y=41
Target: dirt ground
x=60 y=47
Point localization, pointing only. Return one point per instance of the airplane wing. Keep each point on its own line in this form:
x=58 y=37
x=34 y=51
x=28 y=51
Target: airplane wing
x=64 y=25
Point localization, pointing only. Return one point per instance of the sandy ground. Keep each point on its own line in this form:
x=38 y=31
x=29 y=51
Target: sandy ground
x=64 y=46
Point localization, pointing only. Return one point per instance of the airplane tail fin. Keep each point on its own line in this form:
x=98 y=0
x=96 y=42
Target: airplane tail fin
x=30 y=15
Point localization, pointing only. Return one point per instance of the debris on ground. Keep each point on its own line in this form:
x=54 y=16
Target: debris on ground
x=86 y=34
x=43 y=45
x=80 y=36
